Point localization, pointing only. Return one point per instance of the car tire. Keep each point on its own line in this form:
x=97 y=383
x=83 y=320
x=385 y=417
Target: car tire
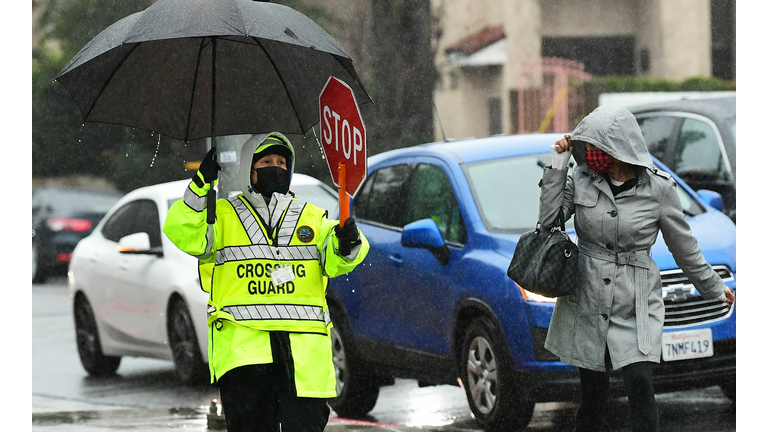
x=498 y=402
x=729 y=388
x=356 y=391
x=88 y=343
x=38 y=272
x=187 y=359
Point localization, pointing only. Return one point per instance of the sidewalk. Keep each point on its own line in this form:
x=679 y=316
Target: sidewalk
x=60 y=415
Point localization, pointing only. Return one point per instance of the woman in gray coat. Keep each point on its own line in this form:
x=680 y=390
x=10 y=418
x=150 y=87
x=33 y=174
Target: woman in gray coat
x=620 y=202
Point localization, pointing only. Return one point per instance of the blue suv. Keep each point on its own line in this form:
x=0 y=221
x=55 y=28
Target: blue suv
x=432 y=302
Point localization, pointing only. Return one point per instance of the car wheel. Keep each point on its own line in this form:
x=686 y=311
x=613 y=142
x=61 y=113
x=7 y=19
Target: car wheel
x=89 y=344
x=496 y=400
x=190 y=368
x=356 y=391
x=729 y=388
x=38 y=272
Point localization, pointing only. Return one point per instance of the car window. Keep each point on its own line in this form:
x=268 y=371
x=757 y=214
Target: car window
x=384 y=195
x=431 y=197
x=135 y=216
x=316 y=195
x=690 y=206
x=658 y=131
x=698 y=151
x=515 y=207
x=73 y=202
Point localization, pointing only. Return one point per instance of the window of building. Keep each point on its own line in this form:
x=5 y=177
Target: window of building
x=600 y=55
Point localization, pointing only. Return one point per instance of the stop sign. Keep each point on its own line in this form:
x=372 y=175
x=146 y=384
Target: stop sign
x=343 y=134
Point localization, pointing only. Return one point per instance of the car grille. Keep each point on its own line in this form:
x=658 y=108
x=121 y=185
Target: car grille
x=684 y=307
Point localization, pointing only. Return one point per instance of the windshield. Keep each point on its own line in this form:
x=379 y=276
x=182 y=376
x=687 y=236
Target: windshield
x=506 y=192
x=517 y=208
x=732 y=125
x=72 y=202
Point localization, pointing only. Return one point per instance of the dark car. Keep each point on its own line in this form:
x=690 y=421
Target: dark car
x=61 y=217
x=433 y=302
x=696 y=138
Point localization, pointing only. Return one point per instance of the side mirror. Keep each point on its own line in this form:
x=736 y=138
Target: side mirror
x=712 y=198
x=136 y=243
x=425 y=234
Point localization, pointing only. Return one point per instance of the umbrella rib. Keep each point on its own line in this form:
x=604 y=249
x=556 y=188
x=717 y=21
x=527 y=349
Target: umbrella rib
x=274 y=66
x=194 y=85
x=112 y=75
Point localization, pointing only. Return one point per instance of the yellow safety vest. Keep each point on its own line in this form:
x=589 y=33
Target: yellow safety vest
x=236 y=257
x=243 y=291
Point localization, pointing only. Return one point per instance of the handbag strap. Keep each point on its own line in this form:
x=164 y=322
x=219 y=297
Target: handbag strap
x=559 y=223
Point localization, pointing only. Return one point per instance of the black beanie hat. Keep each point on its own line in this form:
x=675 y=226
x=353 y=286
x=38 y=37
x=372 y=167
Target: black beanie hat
x=278 y=148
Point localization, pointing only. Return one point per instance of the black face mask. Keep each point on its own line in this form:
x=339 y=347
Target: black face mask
x=271 y=179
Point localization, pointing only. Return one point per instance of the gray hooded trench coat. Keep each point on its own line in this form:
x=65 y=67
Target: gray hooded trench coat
x=618 y=302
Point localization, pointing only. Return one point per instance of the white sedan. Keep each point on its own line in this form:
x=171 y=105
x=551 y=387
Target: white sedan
x=135 y=294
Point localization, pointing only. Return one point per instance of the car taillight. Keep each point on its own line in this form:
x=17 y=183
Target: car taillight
x=64 y=257
x=69 y=224
x=529 y=296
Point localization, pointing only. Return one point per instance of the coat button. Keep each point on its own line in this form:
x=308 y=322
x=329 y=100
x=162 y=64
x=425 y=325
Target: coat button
x=604 y=315
x=609 y=246
x=613 y=213
x=606 y=281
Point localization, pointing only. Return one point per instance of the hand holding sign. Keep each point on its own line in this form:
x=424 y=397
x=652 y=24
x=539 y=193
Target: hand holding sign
x=343 y=139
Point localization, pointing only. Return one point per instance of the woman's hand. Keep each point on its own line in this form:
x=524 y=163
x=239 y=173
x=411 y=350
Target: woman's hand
x=563 y=144
x=729 y=296
x=561 y=153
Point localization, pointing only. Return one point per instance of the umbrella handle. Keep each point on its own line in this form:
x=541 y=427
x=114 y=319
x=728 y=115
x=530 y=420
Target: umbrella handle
x=211 y=199
x=211 y=205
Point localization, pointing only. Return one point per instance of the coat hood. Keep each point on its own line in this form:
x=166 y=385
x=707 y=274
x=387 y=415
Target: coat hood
x=251 y=146
x=615 y=131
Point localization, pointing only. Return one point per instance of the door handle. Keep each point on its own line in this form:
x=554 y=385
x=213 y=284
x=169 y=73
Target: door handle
x=396 y=260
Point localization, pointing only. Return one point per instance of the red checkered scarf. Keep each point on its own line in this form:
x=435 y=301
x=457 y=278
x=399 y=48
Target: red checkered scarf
x=598 y=160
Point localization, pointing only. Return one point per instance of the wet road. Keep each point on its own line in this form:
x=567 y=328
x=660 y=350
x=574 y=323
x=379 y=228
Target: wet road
x=145 y=396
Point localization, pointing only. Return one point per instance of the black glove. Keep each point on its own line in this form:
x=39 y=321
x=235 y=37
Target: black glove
x=209 y=168
x=348 y=236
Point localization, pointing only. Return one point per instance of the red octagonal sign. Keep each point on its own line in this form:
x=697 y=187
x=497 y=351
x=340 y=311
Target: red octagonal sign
x=343 y=134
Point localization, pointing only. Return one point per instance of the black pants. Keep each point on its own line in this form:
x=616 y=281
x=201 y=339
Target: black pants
x=638 y=382
x=262 y=398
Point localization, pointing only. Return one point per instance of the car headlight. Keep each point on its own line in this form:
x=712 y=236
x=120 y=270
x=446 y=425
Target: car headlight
x=538 y=298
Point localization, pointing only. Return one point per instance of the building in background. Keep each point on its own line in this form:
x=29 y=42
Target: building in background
x=512 y=66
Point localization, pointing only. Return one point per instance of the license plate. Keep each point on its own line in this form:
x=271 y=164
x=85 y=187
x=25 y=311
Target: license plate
x=687 y=344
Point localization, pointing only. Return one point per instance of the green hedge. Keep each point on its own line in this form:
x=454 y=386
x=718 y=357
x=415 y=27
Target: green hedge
x=625 y=84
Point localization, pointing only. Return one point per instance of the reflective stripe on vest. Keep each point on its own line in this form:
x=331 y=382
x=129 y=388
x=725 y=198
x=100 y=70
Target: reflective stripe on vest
x=277 y=312
x=193 y=201
x=244 y=294
x=249 y=221
x=287 y=253
x=287 y=227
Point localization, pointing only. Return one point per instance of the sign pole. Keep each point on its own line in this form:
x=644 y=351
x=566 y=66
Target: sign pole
x=343 y=197
x=343 y=142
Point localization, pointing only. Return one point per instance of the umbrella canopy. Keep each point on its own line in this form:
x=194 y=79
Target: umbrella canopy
x=193 y=69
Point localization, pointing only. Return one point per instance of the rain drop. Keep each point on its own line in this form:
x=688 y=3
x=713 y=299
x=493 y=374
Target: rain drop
x=152 y=164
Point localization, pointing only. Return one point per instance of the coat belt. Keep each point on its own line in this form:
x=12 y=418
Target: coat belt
x=642 y=263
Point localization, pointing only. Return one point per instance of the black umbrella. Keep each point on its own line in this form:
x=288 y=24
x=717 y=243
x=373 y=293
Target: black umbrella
x=193 y=69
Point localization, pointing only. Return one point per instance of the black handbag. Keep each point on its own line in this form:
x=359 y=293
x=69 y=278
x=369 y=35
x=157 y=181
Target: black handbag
x=546 y=261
